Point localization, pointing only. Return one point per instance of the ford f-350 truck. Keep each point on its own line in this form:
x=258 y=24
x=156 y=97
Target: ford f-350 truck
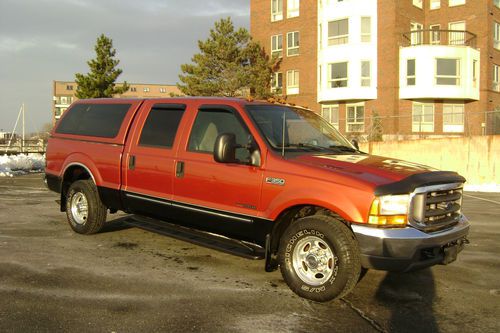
x=276 y=179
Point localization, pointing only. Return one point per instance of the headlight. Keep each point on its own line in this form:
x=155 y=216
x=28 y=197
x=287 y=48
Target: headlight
x=389 y=210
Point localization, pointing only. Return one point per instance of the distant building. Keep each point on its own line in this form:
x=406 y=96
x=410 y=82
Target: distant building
x=64 y=94
x=406 y=68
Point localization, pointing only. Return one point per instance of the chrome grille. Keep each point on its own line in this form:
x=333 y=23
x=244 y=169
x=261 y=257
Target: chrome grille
x=436 y=207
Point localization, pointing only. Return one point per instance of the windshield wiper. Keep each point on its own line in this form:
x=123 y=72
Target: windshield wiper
x=345 y=148
x=304 y=146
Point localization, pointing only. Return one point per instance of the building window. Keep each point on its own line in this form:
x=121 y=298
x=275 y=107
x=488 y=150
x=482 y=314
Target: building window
x=453 y=118
x=435 y=34
x=292 y=82
x=365 y=74
x=338 y=32
x=163 y=90
x=133 y=89
x=416 y=33
x=331 y=114
x=456 y=35
x=355 y=117
x=447 y=72
x=338 y=75
x=276 y=10
x=277 y=46
x=496 y=78
x=69 y=87
x=146 y=89
x=452 y=3
x=277 y=83
x=435 y=4
x=418 y=3
x=292 y=43
x=410 y=72
x=496 y=35
x=293 y=8
x=423 y=117
x=366 y=28
x=65 y=100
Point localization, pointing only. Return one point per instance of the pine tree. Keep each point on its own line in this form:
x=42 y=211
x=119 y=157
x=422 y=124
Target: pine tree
x=100 y=81
x=229 y=65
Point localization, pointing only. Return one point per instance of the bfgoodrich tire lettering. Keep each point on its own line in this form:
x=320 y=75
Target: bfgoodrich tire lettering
x=319 y=258
x=85 y=212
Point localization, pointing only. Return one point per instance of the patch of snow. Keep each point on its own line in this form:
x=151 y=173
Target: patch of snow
x=14 y=165
x=482 y=187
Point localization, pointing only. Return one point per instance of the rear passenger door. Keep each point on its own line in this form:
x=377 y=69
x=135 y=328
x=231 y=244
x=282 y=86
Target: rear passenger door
x=149 y=158
x=222 y=198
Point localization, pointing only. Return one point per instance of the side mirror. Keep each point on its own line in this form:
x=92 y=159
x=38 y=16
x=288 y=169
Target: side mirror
x=225 y=148
x=355 y=143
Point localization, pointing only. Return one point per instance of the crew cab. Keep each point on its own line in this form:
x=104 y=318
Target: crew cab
x=274 y=178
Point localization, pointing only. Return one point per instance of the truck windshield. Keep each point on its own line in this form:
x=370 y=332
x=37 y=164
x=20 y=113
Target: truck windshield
x=304 y=130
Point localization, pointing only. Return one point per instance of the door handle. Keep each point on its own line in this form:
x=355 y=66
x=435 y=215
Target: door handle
x=179 y=169
x=131 y=162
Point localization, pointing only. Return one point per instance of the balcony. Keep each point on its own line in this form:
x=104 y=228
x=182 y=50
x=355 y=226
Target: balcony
x=439 y=64
x=439 y=37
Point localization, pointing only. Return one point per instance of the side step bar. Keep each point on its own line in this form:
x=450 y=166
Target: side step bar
x=198 y=237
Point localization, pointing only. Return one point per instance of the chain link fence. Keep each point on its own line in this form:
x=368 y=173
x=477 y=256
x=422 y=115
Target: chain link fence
x=373 y=127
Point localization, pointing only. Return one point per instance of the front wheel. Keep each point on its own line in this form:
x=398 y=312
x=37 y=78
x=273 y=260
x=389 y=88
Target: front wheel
x=319 y=258
x=85 y=212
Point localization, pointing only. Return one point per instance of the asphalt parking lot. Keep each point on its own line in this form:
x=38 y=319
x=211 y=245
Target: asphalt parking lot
x=129 y=280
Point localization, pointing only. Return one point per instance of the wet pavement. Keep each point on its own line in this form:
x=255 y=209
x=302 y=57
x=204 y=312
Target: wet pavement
x=127 y=280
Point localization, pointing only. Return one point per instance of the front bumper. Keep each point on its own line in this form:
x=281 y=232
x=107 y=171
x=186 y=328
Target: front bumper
x=408 y=248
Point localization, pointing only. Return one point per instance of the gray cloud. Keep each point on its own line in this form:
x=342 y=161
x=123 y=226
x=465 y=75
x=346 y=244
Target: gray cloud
x=46 y=40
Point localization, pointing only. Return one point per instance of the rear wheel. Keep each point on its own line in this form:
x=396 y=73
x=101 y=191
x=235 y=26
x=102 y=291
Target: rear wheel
x=319 y=258
x=85 y=212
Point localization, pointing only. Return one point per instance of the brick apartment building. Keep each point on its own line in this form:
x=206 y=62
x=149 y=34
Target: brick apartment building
x=401 y=68
x=64 y=94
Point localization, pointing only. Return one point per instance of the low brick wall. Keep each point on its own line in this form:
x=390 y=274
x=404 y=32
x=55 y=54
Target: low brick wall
x=477 y=158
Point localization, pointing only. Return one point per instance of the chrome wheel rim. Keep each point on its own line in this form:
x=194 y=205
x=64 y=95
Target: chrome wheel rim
x=79 y=208
x=313 y=260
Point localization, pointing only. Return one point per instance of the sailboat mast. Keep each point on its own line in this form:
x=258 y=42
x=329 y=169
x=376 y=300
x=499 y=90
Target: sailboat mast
x=22 y=142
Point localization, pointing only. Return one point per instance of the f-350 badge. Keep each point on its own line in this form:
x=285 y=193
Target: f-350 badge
x=275 y=181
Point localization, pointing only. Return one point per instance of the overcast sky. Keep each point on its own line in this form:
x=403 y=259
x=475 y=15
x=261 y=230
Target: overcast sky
x=46 y=40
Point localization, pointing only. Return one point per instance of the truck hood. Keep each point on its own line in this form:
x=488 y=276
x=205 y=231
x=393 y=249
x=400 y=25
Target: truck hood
x=376 y=170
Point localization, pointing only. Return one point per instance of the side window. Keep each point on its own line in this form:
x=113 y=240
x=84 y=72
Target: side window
x=161 y=126
x=100 y=120
x=209 y=124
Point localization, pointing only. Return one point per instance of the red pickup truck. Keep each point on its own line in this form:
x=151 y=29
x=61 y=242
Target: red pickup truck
x=276 y=180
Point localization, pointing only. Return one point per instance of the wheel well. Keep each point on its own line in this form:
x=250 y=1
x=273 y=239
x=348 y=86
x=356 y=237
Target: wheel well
x=71 y=175
x=294 y=213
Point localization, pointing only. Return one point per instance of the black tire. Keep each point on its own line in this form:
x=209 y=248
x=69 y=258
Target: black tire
x=319 y=258
x=91 y=222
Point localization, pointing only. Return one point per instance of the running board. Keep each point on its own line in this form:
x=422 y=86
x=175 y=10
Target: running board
x=198 y=237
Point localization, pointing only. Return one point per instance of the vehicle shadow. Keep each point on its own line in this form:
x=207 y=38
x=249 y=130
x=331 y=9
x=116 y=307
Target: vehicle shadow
x=410 y=298
x=116 y=224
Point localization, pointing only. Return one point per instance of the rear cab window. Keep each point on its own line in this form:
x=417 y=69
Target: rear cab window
x=160 y=128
